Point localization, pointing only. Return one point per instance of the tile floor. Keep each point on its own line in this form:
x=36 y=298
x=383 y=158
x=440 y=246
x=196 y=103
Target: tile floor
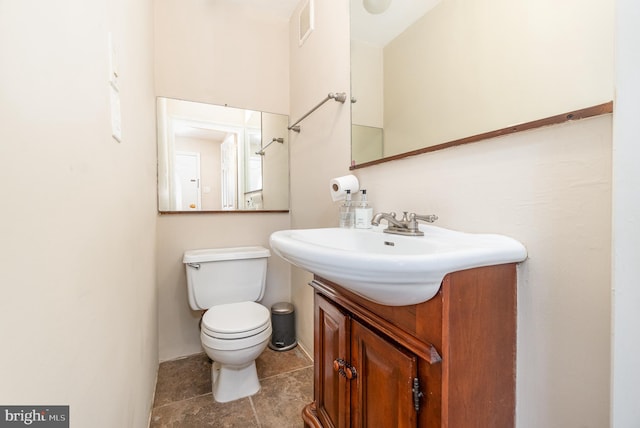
x=183 y=394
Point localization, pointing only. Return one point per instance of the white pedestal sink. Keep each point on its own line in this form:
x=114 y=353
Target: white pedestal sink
x=391 y=269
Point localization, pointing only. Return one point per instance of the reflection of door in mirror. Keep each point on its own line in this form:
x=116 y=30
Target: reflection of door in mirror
x=194 y=137
x=228 y=168
x=188 y=195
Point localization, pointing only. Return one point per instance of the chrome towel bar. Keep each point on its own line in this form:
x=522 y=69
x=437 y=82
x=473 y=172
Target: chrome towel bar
x=273 y=140
x=341 y=97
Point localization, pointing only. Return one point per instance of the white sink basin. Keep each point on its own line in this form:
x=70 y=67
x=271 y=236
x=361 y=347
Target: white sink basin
x=391 y=269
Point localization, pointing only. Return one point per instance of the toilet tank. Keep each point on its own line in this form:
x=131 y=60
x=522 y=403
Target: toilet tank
x=225 y=275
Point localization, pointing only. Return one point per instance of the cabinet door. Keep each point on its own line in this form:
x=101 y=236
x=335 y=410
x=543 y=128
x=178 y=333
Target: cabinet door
x=331 y=344
x=382 y=395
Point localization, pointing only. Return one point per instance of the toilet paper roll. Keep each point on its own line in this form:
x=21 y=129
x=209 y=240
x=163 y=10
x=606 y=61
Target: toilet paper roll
x=338 y=186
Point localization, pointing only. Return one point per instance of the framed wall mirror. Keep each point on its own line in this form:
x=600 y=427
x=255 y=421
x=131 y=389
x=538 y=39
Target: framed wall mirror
x=426 y=73
x=216 y=158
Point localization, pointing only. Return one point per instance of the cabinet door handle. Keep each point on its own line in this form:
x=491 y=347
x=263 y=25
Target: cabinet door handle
x=344 y=369
x=338 y=366
x=350 y=372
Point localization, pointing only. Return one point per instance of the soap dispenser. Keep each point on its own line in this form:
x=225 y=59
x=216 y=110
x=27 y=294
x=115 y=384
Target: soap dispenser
x=346 y=212
x=364 y=212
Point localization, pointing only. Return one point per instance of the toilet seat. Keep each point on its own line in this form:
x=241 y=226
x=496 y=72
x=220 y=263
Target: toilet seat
x=234 y=321
x=215 y=344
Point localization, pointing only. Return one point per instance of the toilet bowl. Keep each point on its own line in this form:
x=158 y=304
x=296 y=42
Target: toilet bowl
x=227 y=283
x=233 y=336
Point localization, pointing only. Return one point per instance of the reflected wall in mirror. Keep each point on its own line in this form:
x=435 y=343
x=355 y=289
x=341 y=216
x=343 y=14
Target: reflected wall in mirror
x=218 y=158
x=428 y=72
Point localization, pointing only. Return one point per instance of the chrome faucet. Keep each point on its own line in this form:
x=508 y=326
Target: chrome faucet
x=407 y=225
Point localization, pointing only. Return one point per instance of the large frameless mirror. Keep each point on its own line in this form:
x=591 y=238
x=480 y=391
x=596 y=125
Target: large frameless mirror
x=218 y=158
x=427 y=73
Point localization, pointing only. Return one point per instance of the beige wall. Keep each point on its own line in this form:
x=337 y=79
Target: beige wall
x=549 y=188
x=78 y=313
x=321 y=150
x=221 y=53
x=275 y=162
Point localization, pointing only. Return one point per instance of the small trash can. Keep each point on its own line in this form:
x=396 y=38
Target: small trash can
x=283 y=325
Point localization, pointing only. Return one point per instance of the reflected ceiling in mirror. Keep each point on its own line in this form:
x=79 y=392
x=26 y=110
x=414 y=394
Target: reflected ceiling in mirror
x=454 y=69
x=217 y=158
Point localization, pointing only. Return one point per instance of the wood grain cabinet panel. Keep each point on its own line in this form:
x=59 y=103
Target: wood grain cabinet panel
x=331 y=389
x=383 y=386
x=448 y=362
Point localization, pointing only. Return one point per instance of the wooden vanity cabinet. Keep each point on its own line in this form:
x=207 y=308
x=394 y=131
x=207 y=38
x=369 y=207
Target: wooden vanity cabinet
x=350 y=386
x=448 y=362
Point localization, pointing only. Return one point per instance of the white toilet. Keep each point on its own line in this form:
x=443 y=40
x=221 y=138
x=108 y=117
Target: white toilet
x=227 y=283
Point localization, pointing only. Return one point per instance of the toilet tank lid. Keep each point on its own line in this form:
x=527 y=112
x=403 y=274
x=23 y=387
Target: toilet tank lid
x=217 y=254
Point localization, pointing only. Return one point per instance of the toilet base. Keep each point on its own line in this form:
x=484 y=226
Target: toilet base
x=232 y=383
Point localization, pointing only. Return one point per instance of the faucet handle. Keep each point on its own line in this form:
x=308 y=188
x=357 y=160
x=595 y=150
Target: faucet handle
x=429 y=218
